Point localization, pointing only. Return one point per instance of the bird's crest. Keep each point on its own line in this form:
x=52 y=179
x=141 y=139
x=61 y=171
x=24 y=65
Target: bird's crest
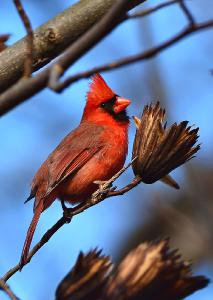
x=99 y=90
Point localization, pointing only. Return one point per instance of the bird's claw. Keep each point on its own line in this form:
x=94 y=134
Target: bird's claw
x=104 y=188
x=67 y=214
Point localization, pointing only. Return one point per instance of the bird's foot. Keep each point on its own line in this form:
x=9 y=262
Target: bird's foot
x=104 y=186
x=102 y=183
x=67 y=212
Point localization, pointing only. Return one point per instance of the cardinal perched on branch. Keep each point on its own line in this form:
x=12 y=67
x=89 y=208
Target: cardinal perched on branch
x=94 y=151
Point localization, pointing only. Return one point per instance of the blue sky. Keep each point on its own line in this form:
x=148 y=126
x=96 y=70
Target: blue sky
x=32 y=130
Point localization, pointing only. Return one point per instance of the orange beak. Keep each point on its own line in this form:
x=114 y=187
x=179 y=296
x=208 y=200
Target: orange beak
x=121 y=104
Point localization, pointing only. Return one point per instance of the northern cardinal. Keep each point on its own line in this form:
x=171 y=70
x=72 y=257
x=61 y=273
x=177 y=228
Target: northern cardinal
x=94 y=151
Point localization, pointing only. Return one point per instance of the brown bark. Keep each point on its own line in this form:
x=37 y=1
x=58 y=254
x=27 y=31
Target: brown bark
x=52 y=38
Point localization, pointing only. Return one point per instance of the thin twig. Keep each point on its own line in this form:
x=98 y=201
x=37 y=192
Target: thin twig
x=29 y=53
x=187 y=13
x=125 y=189
x=148 y=11
x=5 y=287
x=148 y=54
x=101 y=194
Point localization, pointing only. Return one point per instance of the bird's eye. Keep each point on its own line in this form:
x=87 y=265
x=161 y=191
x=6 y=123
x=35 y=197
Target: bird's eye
x=108 y=104
x=103 y=104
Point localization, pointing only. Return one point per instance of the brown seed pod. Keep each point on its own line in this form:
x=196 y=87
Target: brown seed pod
x=153 y=272
x=87 y=278
x=159 y=149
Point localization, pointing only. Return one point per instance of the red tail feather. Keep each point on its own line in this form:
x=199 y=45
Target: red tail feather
x=30 y=233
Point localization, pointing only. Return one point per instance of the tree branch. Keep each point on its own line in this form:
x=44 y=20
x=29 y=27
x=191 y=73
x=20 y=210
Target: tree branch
x=187 y=13
x=149 y=11
x=29 y=39
x=115 y=16
x=148 y=54
x=5 y=287
x=25 y=88
x=51 y=39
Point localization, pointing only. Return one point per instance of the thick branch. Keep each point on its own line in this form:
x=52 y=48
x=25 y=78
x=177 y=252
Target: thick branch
x=25 y=88
x=51 y=39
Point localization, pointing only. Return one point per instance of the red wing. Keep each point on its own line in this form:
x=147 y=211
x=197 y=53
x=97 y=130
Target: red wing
x=72 y=153
x=70 y=167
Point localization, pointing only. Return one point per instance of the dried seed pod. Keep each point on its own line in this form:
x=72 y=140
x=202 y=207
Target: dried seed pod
x=87 y=278
x=160 y=150
x=153 y=272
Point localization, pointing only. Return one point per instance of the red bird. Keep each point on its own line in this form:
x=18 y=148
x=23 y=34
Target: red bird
x=94 y=151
